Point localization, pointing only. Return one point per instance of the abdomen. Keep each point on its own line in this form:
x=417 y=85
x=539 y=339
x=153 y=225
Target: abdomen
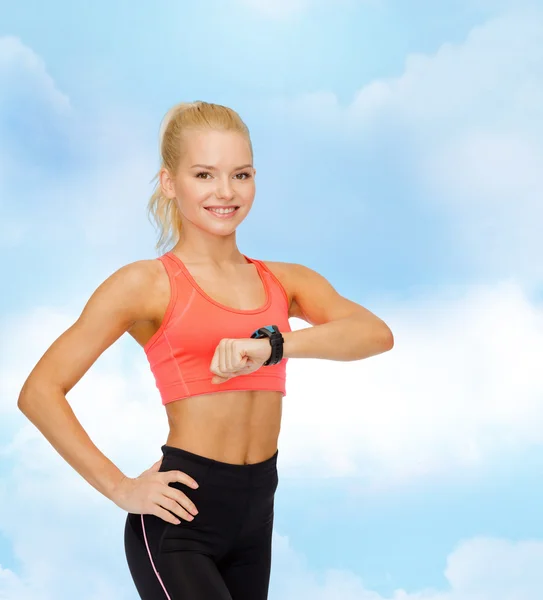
x=236 y=427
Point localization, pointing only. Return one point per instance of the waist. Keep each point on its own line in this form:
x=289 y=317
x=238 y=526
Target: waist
x=211 y=471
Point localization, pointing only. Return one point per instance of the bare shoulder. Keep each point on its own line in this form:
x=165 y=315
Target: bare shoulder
x=294 y=278
x=289 y=272
x=121 y=300
x=127 y=297
x=312 y=297
x=284 y=270
x=127 y=289
x=139 y=273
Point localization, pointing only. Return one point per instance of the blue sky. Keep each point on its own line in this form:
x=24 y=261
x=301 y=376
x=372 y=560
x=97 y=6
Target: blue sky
x=398 y=152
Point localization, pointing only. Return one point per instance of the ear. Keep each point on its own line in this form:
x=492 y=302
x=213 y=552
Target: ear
x=167 y=183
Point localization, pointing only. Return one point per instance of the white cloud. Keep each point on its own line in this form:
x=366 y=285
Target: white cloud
x=466 y=388
x=23 y=71
x=11 y=587
x=470 y=120
x=106 y=201
x=461 y=387
x=29 y=98
x=478 y=569
x=465 y=385
x=45 y=504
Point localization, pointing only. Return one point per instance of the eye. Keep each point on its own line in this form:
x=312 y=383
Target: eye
x=247 y=175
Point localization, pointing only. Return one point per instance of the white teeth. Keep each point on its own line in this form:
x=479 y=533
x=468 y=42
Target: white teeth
x=222 y=211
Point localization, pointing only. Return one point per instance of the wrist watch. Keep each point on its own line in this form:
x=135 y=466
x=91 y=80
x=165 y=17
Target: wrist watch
x=276 y=340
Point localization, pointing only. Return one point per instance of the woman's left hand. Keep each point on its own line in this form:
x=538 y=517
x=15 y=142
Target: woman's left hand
x=235 y=357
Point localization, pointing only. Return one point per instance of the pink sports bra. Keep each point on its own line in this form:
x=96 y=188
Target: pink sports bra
x=180 y=351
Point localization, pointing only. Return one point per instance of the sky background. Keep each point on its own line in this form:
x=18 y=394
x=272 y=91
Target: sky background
x=399 y=153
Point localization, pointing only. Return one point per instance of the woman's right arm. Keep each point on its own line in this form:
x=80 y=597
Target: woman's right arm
x=116 y=304
x=121 y=300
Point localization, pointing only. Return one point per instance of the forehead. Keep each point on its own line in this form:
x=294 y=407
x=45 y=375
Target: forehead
x=215 y=147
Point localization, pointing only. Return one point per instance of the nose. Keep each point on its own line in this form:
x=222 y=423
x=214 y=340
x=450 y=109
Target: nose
x=224 y=188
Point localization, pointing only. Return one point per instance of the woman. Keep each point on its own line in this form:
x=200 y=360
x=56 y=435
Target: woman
x=214 y=326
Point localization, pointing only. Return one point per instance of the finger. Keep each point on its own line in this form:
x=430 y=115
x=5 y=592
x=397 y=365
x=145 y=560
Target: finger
x=175 y=508
x=222 y=358
x=155 y=466
x=158 y=511
x=215 y=360
x=229 y=359
x=238 y=358
x=182 y=499
x=215 y=366
x=180 y=476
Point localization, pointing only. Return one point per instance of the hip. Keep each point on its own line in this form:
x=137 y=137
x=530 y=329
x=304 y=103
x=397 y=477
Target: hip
x=235 y=504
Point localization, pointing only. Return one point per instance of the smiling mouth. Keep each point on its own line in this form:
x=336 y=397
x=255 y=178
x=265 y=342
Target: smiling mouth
x=222 y=212
x=222 y=209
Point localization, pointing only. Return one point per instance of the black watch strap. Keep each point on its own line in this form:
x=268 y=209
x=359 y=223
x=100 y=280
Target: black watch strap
x=276 y=341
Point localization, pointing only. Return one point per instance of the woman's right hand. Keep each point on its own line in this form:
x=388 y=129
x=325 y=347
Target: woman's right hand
x=150 y=494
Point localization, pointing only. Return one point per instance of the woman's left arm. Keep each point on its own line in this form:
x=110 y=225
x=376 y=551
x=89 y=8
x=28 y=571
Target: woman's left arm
x=342 y=329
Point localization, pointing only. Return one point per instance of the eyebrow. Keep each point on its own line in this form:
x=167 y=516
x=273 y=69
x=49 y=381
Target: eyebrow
x=211 y=168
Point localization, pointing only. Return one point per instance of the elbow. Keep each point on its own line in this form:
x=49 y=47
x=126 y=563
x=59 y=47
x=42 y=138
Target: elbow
x=381 y=340
x=36 y=390
x=388 y=339
x=384 y=338
x=24 y=395
x=28 y=395
x=378 y=340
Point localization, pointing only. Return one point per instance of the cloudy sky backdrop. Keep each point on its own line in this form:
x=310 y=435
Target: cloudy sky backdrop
x=399 y=153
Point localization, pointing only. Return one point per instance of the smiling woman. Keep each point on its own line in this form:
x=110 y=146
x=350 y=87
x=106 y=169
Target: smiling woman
x=185 y=137
x=214 y=326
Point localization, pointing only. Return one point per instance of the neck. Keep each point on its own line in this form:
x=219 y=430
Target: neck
x=210 y=249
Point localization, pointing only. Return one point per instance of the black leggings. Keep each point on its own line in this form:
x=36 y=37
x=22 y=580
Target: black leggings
x=225 y=552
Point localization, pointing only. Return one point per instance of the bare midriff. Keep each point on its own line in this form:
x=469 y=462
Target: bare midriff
x=233 y=427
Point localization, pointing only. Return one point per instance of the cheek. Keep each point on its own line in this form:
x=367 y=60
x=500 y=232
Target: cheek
x=191 y=194
x=248 y=192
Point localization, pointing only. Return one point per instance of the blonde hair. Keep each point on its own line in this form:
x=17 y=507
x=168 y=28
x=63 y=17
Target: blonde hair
x=180 y=118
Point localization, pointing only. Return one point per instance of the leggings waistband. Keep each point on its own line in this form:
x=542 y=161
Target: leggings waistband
x=216 y=470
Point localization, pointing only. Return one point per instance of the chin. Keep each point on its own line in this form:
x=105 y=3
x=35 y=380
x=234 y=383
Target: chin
x=223 y=229
x=231 y=223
